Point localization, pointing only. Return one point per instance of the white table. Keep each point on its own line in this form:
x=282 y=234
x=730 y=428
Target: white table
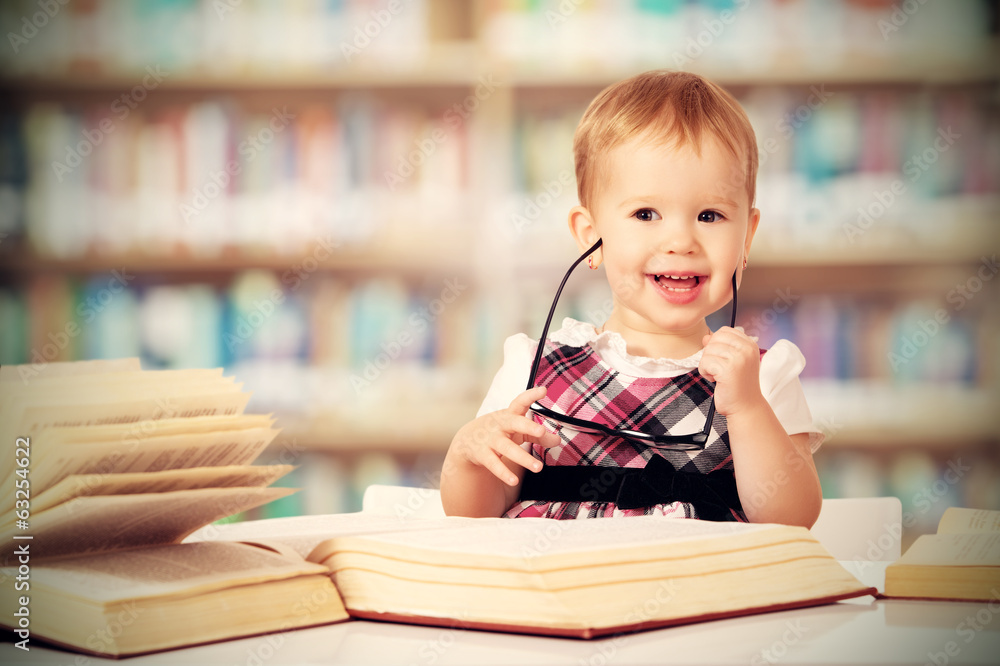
x=863 y=631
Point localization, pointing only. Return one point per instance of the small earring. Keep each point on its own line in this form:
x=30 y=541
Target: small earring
x=745 y=260
x=590 y=262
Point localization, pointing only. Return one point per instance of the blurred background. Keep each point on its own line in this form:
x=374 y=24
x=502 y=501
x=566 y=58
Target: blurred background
x=350 y=204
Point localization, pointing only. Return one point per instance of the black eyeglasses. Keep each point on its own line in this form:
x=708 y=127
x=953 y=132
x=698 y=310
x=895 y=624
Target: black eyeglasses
x=692 y=442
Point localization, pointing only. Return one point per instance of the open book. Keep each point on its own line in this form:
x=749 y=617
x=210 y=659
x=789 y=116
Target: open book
x=108 y=469
x=581 y=578
x=961 y=561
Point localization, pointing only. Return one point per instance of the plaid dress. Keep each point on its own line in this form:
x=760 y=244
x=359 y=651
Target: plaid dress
x=581 y=384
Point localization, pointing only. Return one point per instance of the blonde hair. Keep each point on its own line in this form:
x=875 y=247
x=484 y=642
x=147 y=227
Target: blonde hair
x=674 y=106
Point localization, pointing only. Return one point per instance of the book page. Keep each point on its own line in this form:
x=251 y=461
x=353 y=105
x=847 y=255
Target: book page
x=79 y=412
x=28 y=372
x=131 y=433
x=956 y=520
x=31 y=420
x=118 y=395
x=165 y=570
x=110 y=387
x=971 y=550
x=72 y=381
x=214 y=449
x=505 y=537
x=304 y=533
x=128 y=432
x=82 y=485
x=77 y=400
x=95 y=524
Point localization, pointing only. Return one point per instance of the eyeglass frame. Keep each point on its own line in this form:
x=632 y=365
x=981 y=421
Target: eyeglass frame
x=691 y=442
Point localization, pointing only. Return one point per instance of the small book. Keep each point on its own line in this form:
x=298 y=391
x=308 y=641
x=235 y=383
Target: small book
x=960 y=562
x=110 y=469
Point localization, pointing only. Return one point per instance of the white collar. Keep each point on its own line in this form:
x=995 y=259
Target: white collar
x=613 y=349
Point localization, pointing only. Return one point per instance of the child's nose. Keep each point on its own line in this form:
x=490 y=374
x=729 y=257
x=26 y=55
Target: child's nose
x=677 y=237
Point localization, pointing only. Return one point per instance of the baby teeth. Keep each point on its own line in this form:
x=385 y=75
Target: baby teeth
x=659 y=280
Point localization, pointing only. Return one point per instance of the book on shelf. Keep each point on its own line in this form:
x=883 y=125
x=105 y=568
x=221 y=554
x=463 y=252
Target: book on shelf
x=960 y=562
x=112 y=468
x=197 y=181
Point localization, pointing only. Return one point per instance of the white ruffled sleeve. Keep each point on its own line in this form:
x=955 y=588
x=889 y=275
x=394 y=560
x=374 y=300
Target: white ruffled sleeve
x=512 y=377
x=779 y=382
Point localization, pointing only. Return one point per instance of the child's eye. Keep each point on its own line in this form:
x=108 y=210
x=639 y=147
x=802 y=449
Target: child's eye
x=646 y=215
x=710 y=216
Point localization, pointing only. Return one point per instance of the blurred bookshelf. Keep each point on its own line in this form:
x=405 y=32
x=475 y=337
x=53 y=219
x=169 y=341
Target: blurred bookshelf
x=351 y=205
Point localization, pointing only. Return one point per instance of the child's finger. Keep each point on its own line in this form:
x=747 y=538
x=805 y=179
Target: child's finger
x=539 y=433
x=733 y=335
x=707 y=368
x=720 y=351
x=492 y=462
x=519 y=456
x=549 y=439
x=522 y=402
x=728 y=345
x=516 y=424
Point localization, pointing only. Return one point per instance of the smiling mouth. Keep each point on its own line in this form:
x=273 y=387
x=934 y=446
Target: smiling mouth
x=678 y=282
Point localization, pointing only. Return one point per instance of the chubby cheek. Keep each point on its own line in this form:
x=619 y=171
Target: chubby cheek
x=723 y=287
x=624 y=284
x=624 y=266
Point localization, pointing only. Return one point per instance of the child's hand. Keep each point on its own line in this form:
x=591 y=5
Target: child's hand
x=483 y=441
x=731 y=359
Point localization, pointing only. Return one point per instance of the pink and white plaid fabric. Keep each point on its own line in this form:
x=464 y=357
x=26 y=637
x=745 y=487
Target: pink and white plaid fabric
x=581 y=384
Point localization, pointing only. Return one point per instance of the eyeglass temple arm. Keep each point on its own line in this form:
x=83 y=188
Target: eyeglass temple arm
x=548 y=320
x=711 y=405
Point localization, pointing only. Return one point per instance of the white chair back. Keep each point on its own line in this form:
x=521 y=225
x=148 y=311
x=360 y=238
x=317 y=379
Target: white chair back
x=861 y=528
x=403 y=501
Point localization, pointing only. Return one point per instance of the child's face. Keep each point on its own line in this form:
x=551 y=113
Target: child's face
x=668 y=211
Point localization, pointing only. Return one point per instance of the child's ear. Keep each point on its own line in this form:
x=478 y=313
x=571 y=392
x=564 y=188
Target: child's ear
x=583 y=228
x=752 y=223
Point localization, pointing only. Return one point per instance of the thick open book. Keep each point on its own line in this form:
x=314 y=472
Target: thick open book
x=961 y=561
x=581 y=578
x=108 y=469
